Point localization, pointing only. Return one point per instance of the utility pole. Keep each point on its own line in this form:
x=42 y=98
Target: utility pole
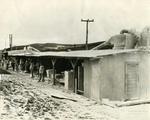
x=10 y=41
x=87 y=23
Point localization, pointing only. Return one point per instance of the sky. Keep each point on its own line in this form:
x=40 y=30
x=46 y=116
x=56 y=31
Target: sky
x=59 y=21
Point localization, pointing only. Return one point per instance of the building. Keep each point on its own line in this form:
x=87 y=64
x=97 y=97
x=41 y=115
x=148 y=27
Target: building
x=23 y=52
x=118 y=75
x=109 y=74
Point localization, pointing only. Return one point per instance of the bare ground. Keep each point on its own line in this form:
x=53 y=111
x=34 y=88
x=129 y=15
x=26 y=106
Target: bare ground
x=26 y=99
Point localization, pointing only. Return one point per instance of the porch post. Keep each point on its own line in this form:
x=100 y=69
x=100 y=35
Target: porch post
x=53 y=60
x=74 y=63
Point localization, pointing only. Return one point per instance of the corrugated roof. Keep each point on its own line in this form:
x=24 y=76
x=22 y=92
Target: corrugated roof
x=74 y=54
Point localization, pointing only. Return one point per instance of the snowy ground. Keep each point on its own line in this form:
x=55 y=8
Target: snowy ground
x=28 y=99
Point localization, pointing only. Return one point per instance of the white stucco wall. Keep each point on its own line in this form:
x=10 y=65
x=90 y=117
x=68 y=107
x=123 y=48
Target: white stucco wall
x=105 y=77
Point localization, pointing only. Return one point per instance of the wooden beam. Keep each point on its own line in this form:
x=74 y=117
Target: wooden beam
x=74 y=63
x=53 y=60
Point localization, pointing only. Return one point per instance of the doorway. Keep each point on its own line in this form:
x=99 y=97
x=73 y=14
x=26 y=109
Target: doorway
x=80 y=78
x=131 y=80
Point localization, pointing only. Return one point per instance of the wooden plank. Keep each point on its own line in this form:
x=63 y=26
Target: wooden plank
x=131 y=103
x=58 y=97
x=131 y=80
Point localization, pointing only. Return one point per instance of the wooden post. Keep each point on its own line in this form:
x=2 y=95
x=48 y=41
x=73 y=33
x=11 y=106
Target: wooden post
x=1 y=78
x=74 y=63
x=87 y=23
x=10 y=41
x=53 y=63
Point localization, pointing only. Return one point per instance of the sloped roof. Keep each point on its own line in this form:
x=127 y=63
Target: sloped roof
x=62 y=47
x=44 y=47
x=86 y=53
x=74 y=54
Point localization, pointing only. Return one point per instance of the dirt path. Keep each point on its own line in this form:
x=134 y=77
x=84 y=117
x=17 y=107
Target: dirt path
x=61 y=109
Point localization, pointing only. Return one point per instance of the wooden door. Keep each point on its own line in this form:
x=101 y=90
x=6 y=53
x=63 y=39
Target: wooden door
x=132 y=82
x=80 y=83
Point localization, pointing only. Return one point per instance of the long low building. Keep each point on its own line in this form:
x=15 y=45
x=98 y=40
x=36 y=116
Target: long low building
x=111 y=74
x=120 y=73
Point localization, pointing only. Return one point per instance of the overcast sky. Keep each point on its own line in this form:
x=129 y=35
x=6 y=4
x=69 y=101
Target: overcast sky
x=59 y=21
